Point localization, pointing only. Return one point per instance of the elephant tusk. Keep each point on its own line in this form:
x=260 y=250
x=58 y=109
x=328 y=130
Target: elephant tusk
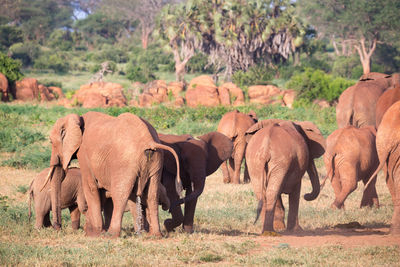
x=48 y=177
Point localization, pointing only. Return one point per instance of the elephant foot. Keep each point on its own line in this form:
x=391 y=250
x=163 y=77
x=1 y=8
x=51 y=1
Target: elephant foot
x=75 y=225
x=188 y=229
x=155 y=234
x=170 y=225
x=226 y=180
x=295 y=230
x=91 y=231
x=279 y=226
x=270 y=233
x=57 y=226
x=335 y=206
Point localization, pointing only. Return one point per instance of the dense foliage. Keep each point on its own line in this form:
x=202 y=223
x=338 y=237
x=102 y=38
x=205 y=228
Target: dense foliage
x=10 y=68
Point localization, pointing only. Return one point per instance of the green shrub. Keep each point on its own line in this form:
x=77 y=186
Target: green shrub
x=56 y=62
x=344 y=66
x=198 y=63
x=27 y=52
x=10 y=68
x=10 y=35
x=61 y=39
x=254 y=75
x=140 y=72
x=109 y=53
x=316 y=84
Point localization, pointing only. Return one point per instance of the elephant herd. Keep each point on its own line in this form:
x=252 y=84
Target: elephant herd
x=126 y=165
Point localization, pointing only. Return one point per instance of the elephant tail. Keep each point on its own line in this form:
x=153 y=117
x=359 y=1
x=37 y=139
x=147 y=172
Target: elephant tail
x=374 y=175
x=178 y=182
x=330 y=172
x=30 y=196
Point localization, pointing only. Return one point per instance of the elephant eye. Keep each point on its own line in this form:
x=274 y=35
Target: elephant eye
x=62 y=133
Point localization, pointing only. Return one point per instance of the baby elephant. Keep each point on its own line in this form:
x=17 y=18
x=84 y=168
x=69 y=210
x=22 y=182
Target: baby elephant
x=72 y=197
x=351 y=156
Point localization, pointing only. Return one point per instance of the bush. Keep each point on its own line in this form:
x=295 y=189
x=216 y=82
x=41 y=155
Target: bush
x=109 y=53
x=26 y=52
x=56 y=62
x=254 y=75
x=198 y=63
x=315 y=84
x=344 y=66
x=61 y=39
x=10 y=68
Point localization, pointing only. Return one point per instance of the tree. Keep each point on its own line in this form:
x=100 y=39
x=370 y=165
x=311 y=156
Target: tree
x=361 y=24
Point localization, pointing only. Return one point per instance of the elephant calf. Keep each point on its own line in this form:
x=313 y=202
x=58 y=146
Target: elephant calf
x=72 y=197
x=350 y=157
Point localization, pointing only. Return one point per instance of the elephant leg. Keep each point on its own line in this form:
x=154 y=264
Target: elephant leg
x=293 y=215
x=152 y=204
x=231 y=168
x=279 y=216
x=268 y=210
x=348 y=180
x=246 y=178
x=107 y=210
x=225 y=172
x=42 y=211
x=190 y=208
x=94 y=220
x=75 y=216
x=146 y=220
x=395 y=226
x=176 y=212
x=238 y=158
x=370 y=197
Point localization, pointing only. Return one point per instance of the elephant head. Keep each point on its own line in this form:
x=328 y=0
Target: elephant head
x=65 y=137
x=383 y=79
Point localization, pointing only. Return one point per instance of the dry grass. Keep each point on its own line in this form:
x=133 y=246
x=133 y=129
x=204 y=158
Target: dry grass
x=224 y=233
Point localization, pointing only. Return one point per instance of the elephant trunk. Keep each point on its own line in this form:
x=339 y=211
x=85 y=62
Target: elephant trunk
x=312 y=172
x=56 y=179
x=178 y=182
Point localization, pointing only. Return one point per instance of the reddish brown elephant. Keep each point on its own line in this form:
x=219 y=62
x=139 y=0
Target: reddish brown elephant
x=72 y=197
x=234 y=125
x=278 y=154
x=118 y=154
x=351 y=156
x=4 y=89
x=199 y=158
x=357 y=103
x=388 y=149
x=387 y=99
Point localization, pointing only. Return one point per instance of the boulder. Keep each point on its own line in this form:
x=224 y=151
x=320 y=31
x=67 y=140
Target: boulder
x=202 y=91
x=175 y=88
x=228 y=91
x=264 y=94
x=56 y=91
x=4 y=90
x=322 y=103
x=44 y=93
x=27 y=89
x=154 y=92
x=100 y=94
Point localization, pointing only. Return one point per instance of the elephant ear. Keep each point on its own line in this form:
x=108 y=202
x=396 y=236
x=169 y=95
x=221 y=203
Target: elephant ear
x=219 y=149
x=253 y=115
x=315 y=140
x=71 y=138
x=258 y=126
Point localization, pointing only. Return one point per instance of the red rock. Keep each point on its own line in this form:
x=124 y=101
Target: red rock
x=202 y=91
x=27 y=89
x=100 y=94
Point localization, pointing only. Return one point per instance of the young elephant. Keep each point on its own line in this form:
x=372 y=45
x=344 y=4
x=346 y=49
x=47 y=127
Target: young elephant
x=199 y=158
x=72 y=197
x=278 y=154
x=234 y=125
x=351 y=156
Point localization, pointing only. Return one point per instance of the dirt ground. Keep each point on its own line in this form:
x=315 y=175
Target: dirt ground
x=349 y=235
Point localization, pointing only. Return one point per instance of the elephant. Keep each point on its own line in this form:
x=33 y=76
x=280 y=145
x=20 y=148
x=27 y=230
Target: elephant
x=278 y=154
x=388 y=149
x=72 y=197
x=357 y=104
x=387 y=99
x=351 y=156
x=4 y=89
x=234 y=125
x=118 y=154
x=199 y=157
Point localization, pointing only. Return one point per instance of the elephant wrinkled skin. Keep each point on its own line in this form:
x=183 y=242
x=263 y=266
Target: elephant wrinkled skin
x=388 y=149
x=199 y=158
x=72 y=197
x=278 y=154
x=119 y=154
x=234 y=125
x=351 y=156
x=357 y=104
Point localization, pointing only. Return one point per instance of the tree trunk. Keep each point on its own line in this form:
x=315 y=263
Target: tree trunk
x=145 y=37
x=365 y=56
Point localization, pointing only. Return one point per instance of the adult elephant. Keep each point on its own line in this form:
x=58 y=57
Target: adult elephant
x=234 y=125
x=120 y=154
x=388 y=149
x=357 y=104
x=387 y=99
x=199 y=158
x=278 y=154
x=351 y=156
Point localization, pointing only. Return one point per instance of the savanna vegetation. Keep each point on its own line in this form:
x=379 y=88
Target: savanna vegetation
x=319 y=48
